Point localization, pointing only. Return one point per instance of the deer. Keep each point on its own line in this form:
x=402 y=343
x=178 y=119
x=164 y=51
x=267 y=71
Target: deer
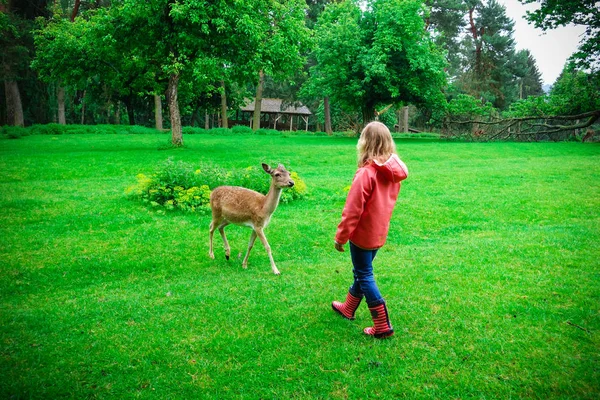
x=588 y=135
x=242 y=206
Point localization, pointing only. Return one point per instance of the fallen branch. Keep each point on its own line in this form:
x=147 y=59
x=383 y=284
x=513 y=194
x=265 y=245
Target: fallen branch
x=578 y=327
x=530 y=126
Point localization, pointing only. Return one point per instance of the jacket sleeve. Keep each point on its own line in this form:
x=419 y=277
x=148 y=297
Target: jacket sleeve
x=359 y=193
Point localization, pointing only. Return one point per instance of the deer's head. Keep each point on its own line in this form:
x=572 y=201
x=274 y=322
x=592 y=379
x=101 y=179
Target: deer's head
x=280 y=175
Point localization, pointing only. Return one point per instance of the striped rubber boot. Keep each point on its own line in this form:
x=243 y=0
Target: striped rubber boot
x=382 y=328
x=347 y=308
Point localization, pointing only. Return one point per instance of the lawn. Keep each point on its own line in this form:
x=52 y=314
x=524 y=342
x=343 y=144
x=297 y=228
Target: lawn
x=491 y=273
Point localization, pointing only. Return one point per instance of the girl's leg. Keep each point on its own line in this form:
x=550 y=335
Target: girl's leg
x=364 y=280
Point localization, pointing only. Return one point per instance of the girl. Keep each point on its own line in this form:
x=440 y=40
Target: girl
x=366 y=220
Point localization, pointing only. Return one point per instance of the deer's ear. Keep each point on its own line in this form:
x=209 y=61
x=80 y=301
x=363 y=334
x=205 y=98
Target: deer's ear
x=266 y=168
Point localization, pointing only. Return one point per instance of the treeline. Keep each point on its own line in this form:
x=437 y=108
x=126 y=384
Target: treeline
x=444 y=65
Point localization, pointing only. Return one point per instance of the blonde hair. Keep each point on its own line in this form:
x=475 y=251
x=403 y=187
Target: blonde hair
x=375 y=144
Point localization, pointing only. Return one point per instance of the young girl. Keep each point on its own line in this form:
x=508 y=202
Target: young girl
x=366 y=220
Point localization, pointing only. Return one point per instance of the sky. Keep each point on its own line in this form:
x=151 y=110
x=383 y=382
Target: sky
x=551 y=49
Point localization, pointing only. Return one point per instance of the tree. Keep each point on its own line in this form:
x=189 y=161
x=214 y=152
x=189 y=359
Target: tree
x=553 y=13
x=314 y=10
x=87 y=55
x=530 y=83
x=278 y=52
x=491 y=65
x=14 y=58
x=377 y=56
x=575 y=92
x=446 y=23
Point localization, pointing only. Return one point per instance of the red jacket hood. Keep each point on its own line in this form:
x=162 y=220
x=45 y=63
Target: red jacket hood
x=393 y=169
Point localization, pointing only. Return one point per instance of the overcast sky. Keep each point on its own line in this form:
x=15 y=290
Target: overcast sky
x=551 y=49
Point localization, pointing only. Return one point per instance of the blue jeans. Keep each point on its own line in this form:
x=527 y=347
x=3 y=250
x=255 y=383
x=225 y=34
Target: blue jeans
x=364 y=280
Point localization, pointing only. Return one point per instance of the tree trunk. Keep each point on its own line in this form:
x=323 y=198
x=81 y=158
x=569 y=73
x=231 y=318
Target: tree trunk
x=60 y=94
x=118 y=113
x=158 y=117
x=475 y=33
x=206 y=120
x=224 y=106
x=521 y=89
x=258 y=101
x=83 y=108
x=60 y=97
x=75 y=10
x=130 y=113
x=176 y=134
x=327 y=112
x=368 y=115
x=14 y=107
x=405 y=119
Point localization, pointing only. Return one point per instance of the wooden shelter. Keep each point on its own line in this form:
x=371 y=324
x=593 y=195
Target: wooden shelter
x=274 y=113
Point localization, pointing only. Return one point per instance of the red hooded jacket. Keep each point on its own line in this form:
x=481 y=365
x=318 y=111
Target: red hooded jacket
x=368 y=210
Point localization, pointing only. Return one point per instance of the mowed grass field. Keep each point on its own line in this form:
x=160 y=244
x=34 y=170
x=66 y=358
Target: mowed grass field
x=491 y=273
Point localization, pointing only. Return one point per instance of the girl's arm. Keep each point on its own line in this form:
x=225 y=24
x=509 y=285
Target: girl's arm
x=359 y=192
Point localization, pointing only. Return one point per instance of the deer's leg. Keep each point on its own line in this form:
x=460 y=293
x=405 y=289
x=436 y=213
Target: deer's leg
x=221 y=228
x=250 y=245
x=263 y=239
x=211 y=230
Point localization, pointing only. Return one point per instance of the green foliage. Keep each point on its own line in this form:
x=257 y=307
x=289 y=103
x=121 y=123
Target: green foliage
x=551 y=14
x=178 y=185
x=57 y=129
x=533 y=106
x=576 y=92
x=376 y=56
x=242 y=130
x=14 y=132
x=465 y=107
x=190 y=130
x=490 y=64
x=15 y=42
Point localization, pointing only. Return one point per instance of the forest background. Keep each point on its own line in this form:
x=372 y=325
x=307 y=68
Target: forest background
x=448 y=66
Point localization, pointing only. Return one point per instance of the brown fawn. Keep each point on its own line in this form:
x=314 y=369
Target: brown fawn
x=241 y=206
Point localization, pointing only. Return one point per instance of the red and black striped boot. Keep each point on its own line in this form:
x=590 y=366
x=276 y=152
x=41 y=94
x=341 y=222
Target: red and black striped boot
x=347 y=308
x=382 y=328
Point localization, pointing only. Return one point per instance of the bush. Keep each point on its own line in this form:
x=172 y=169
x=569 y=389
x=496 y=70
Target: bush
x=189 y=130
x=242 y=130
x=220 y=131
x=14 y=132
x=270 y=132
x=178 y=185
x=47 y=129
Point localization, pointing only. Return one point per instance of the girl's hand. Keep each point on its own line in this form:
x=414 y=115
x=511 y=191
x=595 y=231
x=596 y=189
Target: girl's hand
x=339 y=247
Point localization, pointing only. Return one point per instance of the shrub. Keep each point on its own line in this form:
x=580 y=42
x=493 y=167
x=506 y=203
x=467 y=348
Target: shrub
x=220 y=131
x=178 y=185
x=48 y=129
x=14 y=132
x=189 y=130
x=242 y=130
x=270 y=132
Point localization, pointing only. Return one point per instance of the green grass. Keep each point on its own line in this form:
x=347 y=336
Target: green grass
x=491 y=273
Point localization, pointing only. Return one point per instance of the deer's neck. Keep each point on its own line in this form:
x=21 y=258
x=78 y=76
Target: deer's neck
x=272 y=200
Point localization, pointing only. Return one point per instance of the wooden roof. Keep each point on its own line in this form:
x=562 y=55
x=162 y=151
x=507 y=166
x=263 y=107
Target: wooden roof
x=274 y=106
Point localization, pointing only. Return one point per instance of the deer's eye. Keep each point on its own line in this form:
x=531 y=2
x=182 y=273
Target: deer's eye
x=278 y=175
